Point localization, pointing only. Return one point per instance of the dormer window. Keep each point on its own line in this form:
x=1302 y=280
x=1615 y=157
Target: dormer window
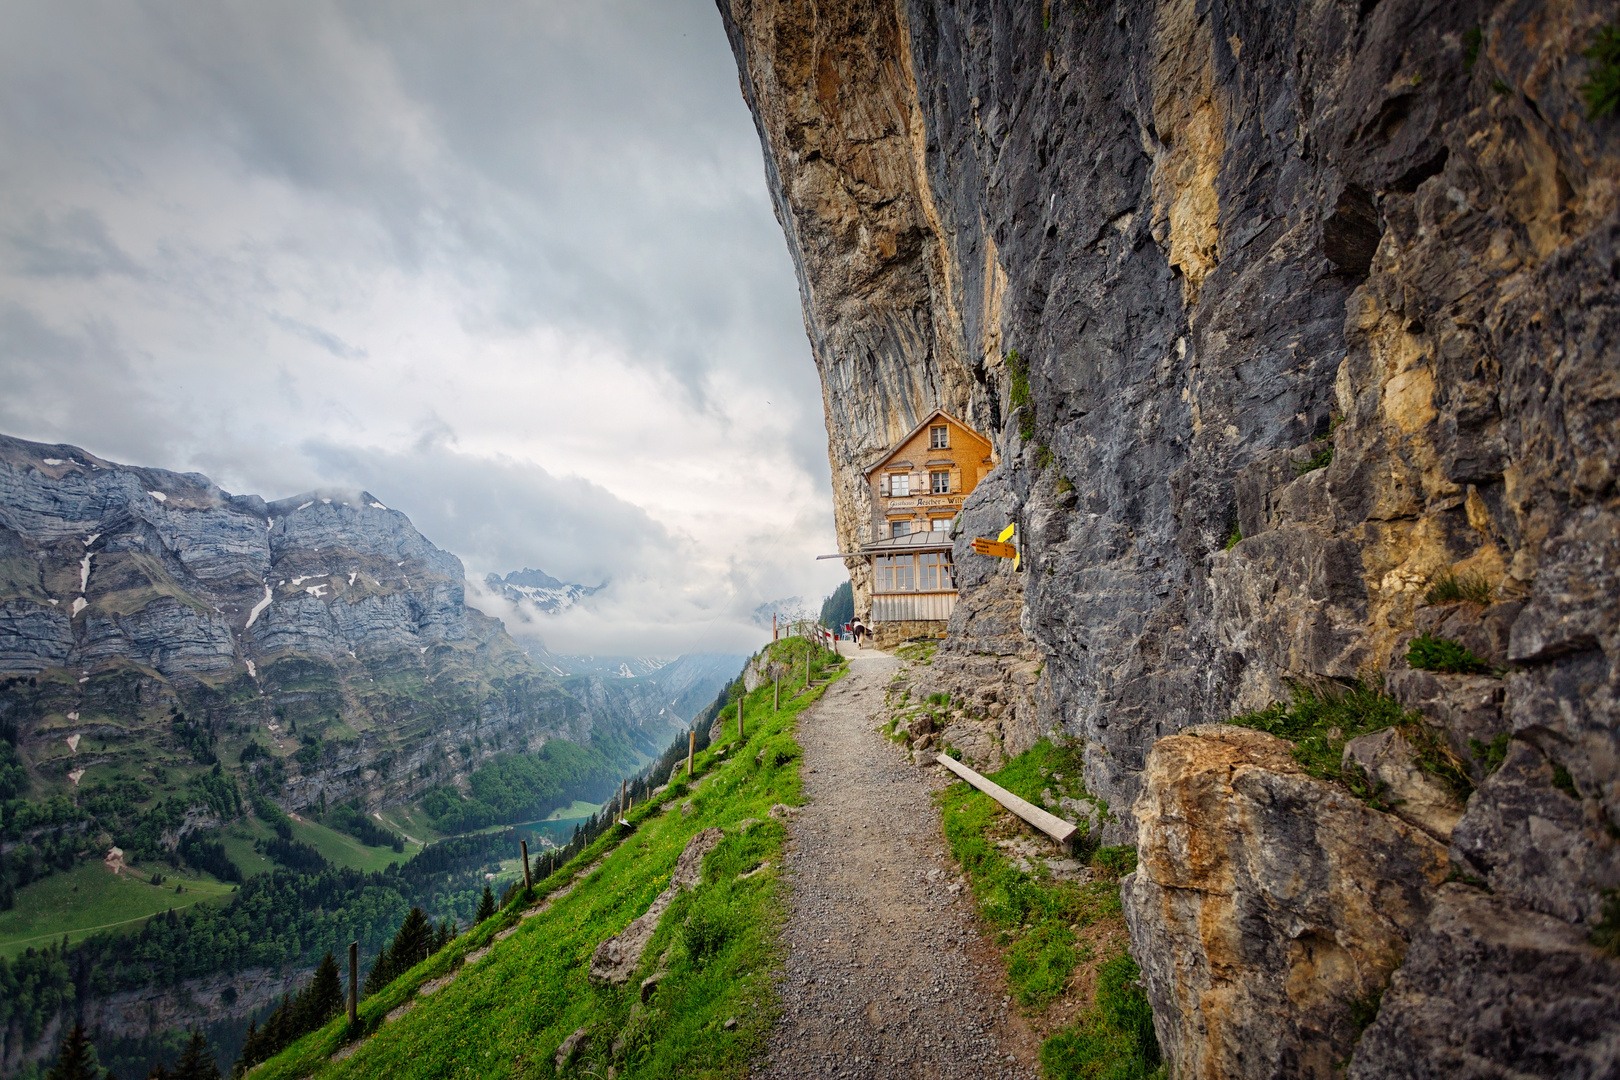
x=939 y=438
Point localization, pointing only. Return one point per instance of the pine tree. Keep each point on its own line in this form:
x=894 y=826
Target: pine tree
x=486 y=905
x=197 y=1063
x=77 y=1060
x=412 y=945
x=446 y=934
x=322 y=999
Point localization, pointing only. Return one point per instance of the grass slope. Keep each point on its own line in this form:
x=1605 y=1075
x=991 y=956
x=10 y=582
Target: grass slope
x=1064 y=941
x=507 y=1014
x=87 y=898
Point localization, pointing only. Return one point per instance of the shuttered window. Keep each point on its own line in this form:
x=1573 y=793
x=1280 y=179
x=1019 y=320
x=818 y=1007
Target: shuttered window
x=900 y=484
x=940 y=482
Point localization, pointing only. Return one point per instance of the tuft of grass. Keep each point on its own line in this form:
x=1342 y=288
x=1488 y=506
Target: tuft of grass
x=1064 y=485
x=1114 y=1039
x=1491 y=755
x=1472 y=39
x=1234 y=537
x=1606 y=934
x=1019 y=395
x=1044 y=458
x=1320 y=723
x=1439 y=654
x=1602 y=86
x=1565 y=782
x=1448 y=588
x=1364 y=1010
x=1320 y=459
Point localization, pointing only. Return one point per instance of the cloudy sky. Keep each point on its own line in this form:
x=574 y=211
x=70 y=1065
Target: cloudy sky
x=511 y=266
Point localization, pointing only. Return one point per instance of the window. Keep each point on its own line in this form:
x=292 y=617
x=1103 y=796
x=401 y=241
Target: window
x=899 y=528
x=900 y=484
x=935 y=573
x=895 y=573
x=941 y=525
x=939 y=438
x=940 y=481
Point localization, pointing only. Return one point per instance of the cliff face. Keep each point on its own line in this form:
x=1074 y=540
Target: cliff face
x=131 y=594
x=1310 y=305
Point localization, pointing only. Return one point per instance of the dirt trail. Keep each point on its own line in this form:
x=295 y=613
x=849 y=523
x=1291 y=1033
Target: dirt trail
x=886 y=974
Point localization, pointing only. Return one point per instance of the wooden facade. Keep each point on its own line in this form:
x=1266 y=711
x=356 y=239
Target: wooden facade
x=917 y=490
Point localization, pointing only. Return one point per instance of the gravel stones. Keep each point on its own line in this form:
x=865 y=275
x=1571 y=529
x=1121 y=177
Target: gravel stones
x=886 y=975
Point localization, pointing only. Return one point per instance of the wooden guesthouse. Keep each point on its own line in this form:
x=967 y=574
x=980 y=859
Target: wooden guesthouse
x=917 y=489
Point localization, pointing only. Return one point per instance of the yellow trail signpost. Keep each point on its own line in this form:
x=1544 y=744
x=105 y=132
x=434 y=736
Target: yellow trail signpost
x=994 y=548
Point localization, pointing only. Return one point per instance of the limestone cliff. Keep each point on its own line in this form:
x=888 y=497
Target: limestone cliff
x=1278 y=315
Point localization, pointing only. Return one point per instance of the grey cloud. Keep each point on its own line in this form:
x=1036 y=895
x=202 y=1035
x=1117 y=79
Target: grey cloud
x=76 y=244
x=324 y=339
x=501 y=514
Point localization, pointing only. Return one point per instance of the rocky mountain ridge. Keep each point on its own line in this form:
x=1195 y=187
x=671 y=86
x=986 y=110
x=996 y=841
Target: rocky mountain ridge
x=1281 y=319
x=323 y=628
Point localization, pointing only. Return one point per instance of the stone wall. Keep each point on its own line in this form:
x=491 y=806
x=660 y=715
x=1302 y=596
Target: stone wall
x=1312 y=304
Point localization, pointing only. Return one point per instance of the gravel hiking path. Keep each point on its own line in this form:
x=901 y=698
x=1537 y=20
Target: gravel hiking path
x=887 y=974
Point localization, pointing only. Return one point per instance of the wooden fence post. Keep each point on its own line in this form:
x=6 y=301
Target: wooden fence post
x=691 y=749
x=354 y=982
x=528 y=883
x=622 y=787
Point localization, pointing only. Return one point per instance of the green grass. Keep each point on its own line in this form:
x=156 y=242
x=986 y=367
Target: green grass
x=506 y=1015
x=1491 y=755
x=1040 y=920
x=576 y=809
x=1321 y=458
x=76 y=902
x=1448 y=588
x=1319 y=723
x=238 y=841
x=341 y=849
x=1439 y=654
x=1606 y=934
x=1235 y=537
x=1114 y=1039
x=1472 y=39
x=1019 y=396
x=1602 y=86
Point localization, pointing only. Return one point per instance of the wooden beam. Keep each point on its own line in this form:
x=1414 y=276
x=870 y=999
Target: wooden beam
x=1050 y=824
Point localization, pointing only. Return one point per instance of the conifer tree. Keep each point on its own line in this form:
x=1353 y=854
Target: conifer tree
x=77 y=1060
x=323 y=997
x=486 y=905
x=197 y=1063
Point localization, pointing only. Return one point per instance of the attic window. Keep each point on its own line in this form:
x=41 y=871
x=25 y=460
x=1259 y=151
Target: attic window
x=900 y=484
x=939 y=438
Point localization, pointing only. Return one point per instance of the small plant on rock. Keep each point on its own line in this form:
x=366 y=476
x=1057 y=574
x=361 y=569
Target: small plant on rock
x=1429 y=653
x=1449 y=588
x=1606 y=934
x=1602 y=87
x=1491 y=755
x=1320 y=459
x=1234 y=537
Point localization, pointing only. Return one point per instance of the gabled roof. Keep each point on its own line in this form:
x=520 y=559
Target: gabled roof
x=914 y=432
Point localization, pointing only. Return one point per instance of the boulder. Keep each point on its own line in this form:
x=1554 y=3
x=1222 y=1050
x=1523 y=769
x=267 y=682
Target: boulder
x=1389 y=760
x=1491 y=989
x=1265 y=903
x=616 y=959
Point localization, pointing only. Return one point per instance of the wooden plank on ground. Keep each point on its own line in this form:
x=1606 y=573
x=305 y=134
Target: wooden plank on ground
x=1050 y=824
